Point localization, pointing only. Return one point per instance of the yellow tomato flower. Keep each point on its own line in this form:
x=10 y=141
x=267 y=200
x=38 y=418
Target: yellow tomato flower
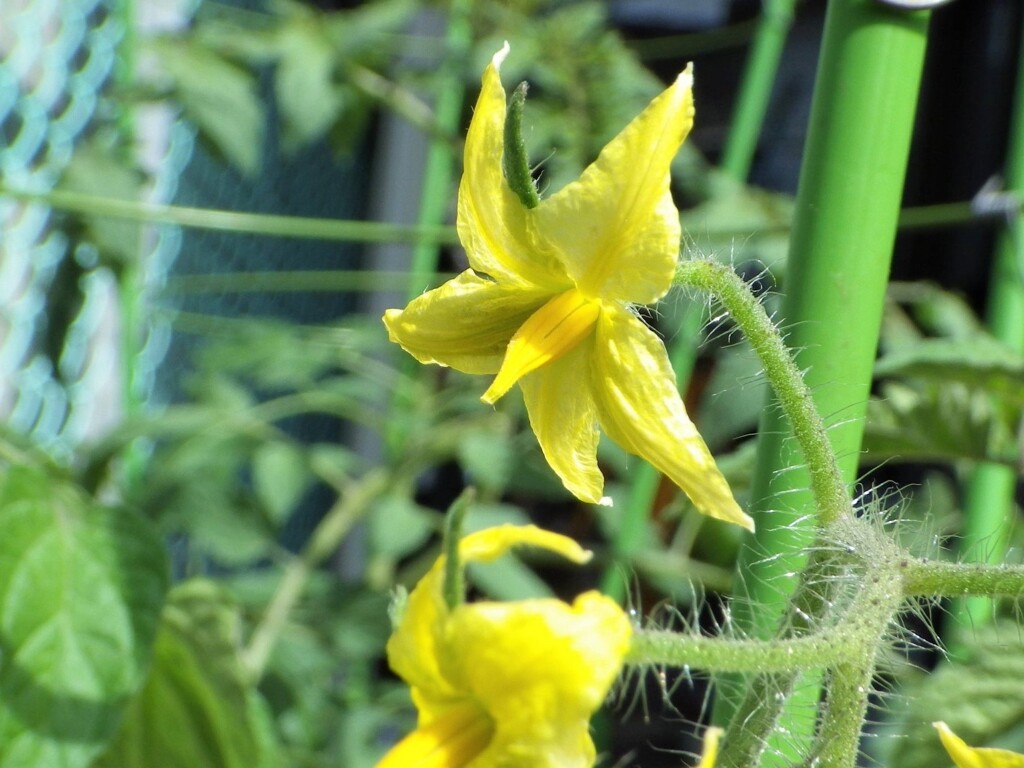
x=509 y=685
x=976 y=757
x=548 y=300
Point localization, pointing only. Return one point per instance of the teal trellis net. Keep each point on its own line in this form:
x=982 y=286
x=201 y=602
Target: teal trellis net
x=55 y=58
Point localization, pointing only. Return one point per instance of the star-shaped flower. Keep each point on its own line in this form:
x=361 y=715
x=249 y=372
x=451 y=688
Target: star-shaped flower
x=548 y=301
x=976 y=757
x=505 y=685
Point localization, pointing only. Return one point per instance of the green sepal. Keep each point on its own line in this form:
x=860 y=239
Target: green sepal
x=514 y=163
x=454 y=578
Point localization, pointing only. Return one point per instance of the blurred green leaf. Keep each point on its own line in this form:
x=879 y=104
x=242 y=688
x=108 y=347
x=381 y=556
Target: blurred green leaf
x=734 y=397
x=741 y=224
x=196 y=708
x=980 y=697
x=280 y=476
x=218 y=96
x=333 y=463
x=97 y=169
x=398 y=526
x=979 y=362
x=303 y=82
x=941 y=422
x=81 y=587
x=486 y=455
x=360 y=625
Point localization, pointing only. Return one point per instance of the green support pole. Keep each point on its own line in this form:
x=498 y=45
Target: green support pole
x=988 y=502
x=846 y=214
x=756 y=87
x=441 y=160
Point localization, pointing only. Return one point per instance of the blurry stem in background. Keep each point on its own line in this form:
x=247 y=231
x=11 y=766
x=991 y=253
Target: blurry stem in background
x=441 y=160
x=270 y=225
x=343 y=230
x=438 y=176
x=989 y=495
x=758 y=79
x=130 y=275
x=352 y=504
x=845 y=223
x=756 y=89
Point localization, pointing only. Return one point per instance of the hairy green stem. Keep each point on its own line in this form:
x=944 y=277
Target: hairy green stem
x=935 y=578
x=794 y=397
x=720 y=654
x=840 y=563
x=845 y=221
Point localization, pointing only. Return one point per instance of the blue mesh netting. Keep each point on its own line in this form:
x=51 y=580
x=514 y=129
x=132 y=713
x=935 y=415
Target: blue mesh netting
x=57 y=59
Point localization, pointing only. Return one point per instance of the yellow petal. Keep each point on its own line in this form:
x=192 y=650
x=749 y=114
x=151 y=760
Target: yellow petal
x=540 y=668
x=616 y=228
x=640 y=408
x=451 y=740
x=976 y=757
x=710 y=755
x=491 y=543
x=492 y=222
x=564 y=418
x=415 y=646
x=549 y=333
x=465 y=324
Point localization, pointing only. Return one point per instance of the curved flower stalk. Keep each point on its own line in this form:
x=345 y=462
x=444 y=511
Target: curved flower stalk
x=548 y=300
x=509 y=685
x=976 y=757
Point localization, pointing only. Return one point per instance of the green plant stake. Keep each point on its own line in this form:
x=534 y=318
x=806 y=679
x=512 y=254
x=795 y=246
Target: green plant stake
x=441 y=161
x=756 y=89
x=988 y=503
x=847 y=209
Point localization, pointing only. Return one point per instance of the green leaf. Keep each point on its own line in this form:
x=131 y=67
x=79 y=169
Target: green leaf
x=980 y=362
x=981 y=698
x=487 y=456
x=280 y=477
x=98 y=170
x=733 y=398
x=398 y=525
x=935 y=423
x=304 y=82
x=219 y=97
x=81 y=586
x=741 y=224
x=196 y=708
